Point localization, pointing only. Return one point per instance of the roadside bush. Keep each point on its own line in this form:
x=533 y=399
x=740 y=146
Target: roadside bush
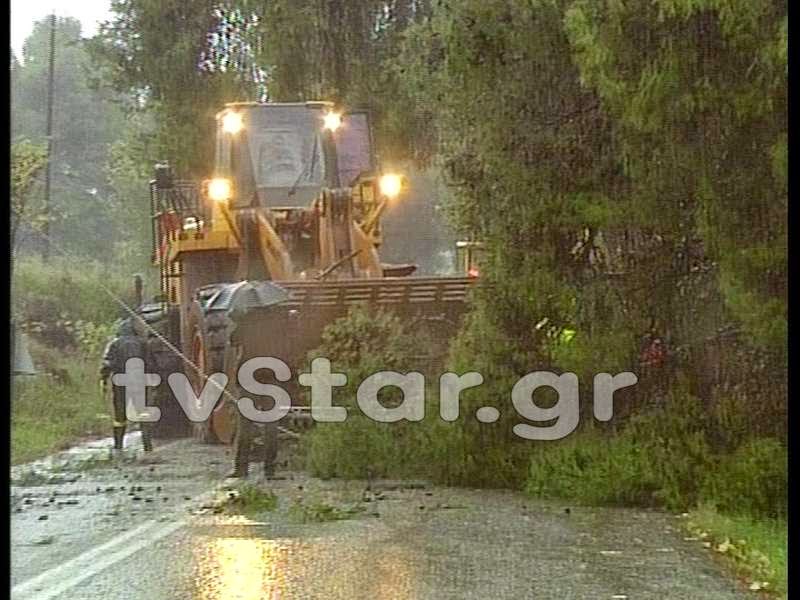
x=663 y=458
x=753 y=480
x=358 y=448
x=467 y=452
x=359 y=345
x=462 y=453
x=55 y=301
x=92 y=338
x=363 y=337
x=658 y=459
x=754 y=408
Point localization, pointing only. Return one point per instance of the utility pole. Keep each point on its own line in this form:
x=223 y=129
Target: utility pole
x=49 y=134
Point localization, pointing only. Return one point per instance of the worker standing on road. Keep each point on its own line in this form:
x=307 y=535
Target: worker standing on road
x=247 y=433
x=128 y=343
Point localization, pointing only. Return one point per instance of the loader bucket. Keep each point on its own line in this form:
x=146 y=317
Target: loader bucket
x=286 y=320
x=291 y=329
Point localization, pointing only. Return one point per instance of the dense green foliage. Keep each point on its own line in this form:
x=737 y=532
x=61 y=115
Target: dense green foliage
x=665 y=458
x=659 y=459
x=362 y=344
x=701 y=119
x=344 y=52
x=61 y=305
x=753 y=480
x=593 y=176
x=150 y=51
x=359 y=345
x=625 y=164
x=27 y=161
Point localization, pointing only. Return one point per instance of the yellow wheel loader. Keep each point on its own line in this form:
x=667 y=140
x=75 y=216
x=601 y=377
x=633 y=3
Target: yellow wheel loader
x=282 y=240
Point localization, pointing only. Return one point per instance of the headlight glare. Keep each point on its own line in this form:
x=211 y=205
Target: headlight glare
x=332 y=120
x=391 y=185
x=220 y=189
x=232 y=122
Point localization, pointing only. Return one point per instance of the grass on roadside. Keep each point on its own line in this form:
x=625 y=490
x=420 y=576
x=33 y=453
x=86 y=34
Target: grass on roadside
x=757 y=550
x=250 y=499
x=321 y=512
x=49 y=412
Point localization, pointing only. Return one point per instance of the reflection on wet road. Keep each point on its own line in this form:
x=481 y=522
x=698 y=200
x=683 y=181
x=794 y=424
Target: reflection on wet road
x=239 y=568
x=249 y=566
x=403 y=542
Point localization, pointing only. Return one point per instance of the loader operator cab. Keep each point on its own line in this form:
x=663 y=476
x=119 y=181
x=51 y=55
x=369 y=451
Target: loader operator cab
x=283 y=155
x=308 y=169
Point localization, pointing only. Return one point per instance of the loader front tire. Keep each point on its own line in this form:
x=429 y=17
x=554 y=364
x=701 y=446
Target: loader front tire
x=199 y=369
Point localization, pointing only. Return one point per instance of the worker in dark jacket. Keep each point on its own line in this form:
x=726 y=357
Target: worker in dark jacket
x=128 y=343
x=247 y=432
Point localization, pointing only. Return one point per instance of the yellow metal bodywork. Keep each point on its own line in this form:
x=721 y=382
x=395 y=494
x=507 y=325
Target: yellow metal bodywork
x=272 y=249
x=367 y=260
x=222 y=235
x=361 y=235
x=210 y=240
x=186 y=243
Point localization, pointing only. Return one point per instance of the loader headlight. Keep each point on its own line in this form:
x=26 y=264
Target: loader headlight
x=390 y=185
x=232 y=122
x=332 y=121
x=220 y=189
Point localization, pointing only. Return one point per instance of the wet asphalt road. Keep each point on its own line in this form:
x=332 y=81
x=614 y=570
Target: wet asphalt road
x=165 y=535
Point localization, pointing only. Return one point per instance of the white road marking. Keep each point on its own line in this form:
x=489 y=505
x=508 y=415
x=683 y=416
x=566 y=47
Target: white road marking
x=69 y=574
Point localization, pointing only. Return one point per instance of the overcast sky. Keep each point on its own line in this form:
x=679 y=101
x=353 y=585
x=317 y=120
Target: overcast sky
x=25 y=12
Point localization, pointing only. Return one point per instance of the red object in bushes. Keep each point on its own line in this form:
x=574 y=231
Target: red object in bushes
x=654 y=355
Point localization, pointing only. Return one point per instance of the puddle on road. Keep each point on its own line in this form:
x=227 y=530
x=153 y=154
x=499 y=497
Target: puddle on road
x=251 y=568
x=240 y=568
